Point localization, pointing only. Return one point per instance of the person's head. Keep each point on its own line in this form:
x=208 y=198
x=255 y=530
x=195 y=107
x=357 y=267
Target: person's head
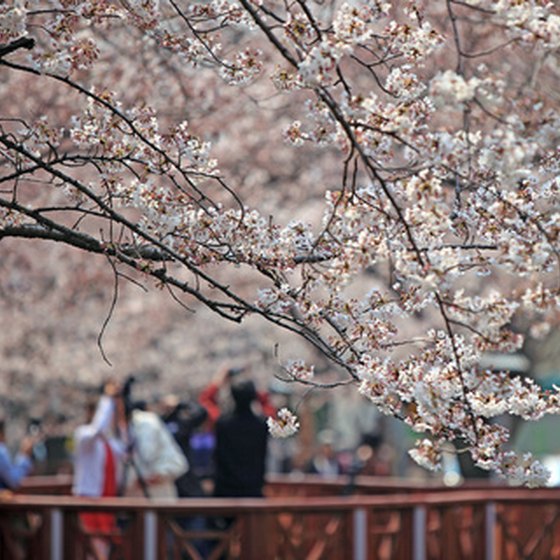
x=169 y=404
x=140 y=404
x=243 y=393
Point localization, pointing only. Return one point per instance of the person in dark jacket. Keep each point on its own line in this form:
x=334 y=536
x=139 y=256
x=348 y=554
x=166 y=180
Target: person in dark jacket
x=241 y=444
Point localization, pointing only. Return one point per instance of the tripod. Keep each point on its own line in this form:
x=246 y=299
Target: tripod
x=131 y=463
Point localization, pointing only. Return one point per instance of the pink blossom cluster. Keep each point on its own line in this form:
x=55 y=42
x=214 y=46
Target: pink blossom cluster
x=284 y=425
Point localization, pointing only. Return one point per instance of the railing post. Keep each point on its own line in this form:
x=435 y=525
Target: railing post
x=490 y=530
x=253 y=525
x=57 y=535
x=150 y=535
x=359 y=523
x=419 y=533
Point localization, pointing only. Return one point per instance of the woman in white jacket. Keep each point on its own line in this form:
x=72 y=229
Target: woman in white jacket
x=157 y=457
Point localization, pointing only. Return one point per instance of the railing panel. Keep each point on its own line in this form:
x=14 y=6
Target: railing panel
x=390 y=533
x=313 y=535
x=197 y=536
x=528 y=531
x=456 y=532
x=253 y=535
x=123 y=540
x=24 y=535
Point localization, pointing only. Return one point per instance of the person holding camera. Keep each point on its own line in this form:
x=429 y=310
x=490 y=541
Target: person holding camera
x=12 y=471
x=97 y=451
x=98 y=457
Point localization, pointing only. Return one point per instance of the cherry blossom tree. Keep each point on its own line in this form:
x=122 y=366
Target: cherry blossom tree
x=181 y=140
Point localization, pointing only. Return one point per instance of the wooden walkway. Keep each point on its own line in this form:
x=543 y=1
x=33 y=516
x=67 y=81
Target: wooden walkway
x=385 y=520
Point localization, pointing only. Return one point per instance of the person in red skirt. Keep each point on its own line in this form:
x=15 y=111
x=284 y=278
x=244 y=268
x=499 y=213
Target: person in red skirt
x=98 y=455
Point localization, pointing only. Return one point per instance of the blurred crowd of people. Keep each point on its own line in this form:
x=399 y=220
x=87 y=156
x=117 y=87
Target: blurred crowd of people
x=181 y=445
x=199 y=445
x=213 y=444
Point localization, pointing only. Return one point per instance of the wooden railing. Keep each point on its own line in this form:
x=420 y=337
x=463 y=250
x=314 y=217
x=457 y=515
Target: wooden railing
x=438 y=523
x=292 y=485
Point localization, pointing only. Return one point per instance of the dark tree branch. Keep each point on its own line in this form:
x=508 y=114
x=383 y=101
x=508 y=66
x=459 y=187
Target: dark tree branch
x=22 y=43
x=83 y=241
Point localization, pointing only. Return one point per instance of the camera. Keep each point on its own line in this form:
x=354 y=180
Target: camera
x=34 y=427
x=126 y=393
x=235 y=371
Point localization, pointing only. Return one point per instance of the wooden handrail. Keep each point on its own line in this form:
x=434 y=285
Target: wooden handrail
x=277 y=504
x=306 y=485
x=494 y=520
x=55 y=484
